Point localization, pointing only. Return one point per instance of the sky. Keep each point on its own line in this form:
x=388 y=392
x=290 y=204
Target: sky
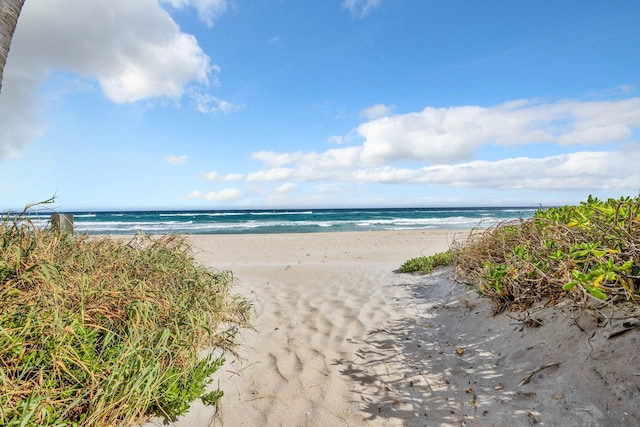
x=281 y=104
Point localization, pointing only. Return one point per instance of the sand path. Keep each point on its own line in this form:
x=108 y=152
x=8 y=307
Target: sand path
x=322 y=302
x=342 y=339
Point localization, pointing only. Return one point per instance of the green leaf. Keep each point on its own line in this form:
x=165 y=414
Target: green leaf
x=626 y=266
x=595 y=292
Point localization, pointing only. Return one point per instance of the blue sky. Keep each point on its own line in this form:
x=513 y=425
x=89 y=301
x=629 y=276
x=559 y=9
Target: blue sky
x=242 y=104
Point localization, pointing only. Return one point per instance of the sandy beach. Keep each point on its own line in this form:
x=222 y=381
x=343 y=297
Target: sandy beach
x=341 y=338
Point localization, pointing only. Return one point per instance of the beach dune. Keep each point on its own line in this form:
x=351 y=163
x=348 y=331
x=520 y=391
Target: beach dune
x=341 y=338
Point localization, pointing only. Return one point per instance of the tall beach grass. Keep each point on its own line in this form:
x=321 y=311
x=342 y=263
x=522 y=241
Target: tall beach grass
x=104 y=332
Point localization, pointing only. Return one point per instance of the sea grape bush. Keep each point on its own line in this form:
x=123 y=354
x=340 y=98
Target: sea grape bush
x=591 y=250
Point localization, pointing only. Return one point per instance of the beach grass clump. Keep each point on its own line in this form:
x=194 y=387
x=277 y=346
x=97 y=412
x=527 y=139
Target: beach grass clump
x=426 y=264
x=586 y=252
x=96 y=331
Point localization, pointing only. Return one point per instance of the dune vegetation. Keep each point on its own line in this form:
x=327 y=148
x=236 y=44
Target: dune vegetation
x=590 y=251
x=96 y=331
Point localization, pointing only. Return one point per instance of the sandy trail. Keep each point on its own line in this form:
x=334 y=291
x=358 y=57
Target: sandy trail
x=342 y=338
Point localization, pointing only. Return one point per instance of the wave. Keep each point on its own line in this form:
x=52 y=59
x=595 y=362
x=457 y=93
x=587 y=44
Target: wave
x=203 y=214
x=195 y=227
x=222 y=214
x=281 y=213
x=258 y=221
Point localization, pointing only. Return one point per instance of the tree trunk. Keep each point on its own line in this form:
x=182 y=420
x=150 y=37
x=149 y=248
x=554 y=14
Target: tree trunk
x=9 y=12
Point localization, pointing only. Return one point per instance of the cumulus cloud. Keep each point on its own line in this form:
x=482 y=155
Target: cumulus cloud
x=455 y=134
x=19 y=123
x=585 y=170
x=360 y=8
x=215 y=176
x=581 y=170
x=175 y=160
x=208 y=10
x=134 y=50
x=376 y=111
x=595 y=143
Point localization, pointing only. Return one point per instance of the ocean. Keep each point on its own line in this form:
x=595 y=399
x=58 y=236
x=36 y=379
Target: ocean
x=288 y=221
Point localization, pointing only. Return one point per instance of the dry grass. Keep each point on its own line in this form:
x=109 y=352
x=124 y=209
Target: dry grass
x=95 y=331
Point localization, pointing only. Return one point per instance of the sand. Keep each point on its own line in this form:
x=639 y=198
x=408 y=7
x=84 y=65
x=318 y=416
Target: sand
x=341 y=338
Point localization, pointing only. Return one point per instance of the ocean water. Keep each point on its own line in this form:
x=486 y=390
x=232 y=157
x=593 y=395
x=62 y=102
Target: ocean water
x=288 y=221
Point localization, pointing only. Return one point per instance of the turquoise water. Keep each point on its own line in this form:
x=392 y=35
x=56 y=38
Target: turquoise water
x=289 y=221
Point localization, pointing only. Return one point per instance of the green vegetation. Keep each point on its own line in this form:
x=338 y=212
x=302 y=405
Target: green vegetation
x=426 y=264
x=587 y=251
x=98 y=331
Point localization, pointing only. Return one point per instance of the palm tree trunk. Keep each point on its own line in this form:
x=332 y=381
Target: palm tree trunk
x=9 y=12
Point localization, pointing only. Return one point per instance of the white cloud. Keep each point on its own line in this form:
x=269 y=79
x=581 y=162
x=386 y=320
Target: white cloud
x=336 y=139
x=272 y=159
x=225 y=195
x=276 y=174
x=133 y=49
x=376 y=111
x=330 y=159
x=596 y=145
x=208 y=10
x=597 y=134
x=195 y=194
x=287 y=187
x=343 y=139
x=207 y=103
x=360 y=8
x=587 y=171
x=19 y=124
x=600 y=170
x=175 y=160
x=215 y=176
x=233 y=177
x=446 y=135
x=576 y=170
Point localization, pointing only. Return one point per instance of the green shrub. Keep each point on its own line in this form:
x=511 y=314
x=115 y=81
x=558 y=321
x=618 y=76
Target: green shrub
x=583 y=251
x=591 y=250
x=427 y=264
